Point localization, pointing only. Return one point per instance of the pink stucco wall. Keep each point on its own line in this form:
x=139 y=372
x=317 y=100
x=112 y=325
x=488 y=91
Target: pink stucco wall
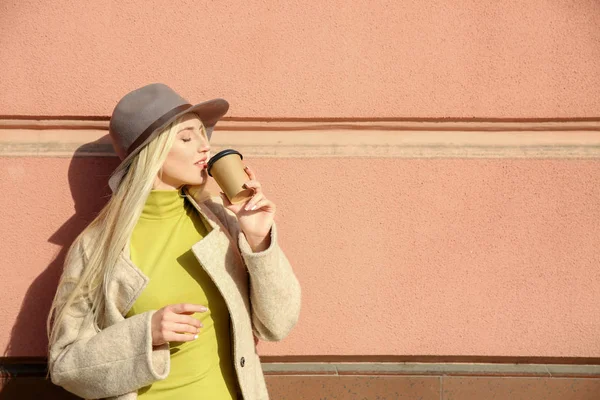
x=414 y=58
x=396 y=257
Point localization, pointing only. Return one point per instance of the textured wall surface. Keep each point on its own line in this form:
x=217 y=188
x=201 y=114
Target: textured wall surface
x=396 y=257
x=430 y=59
x=397 y=253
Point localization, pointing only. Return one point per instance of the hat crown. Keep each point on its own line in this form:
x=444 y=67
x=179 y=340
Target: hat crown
x=137 y=111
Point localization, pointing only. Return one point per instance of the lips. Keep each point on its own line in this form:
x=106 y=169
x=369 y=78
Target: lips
x=201 y=163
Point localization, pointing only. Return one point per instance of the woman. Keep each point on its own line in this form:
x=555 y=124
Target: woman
x=164 y=293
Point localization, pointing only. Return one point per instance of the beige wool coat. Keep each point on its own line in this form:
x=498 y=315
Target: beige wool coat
x=260 y=289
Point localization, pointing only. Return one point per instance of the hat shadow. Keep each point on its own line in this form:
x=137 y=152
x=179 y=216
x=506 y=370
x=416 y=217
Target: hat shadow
x=88 y=175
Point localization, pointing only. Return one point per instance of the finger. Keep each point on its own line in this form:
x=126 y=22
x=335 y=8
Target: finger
x=254 y=185
x=180 y=328
x=180 y=337
x=184 y=319
x=250 y=173
x=251 y=204
x=264 y=204
x=187 y=308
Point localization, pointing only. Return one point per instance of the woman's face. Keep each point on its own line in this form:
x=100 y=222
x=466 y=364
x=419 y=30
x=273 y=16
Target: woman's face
x=186 y=162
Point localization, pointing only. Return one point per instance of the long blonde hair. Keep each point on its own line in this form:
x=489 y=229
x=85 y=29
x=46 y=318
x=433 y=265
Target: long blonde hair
x=108 y=234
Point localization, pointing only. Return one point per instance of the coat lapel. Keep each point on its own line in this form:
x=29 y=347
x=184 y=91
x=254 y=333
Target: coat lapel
x=218 y=254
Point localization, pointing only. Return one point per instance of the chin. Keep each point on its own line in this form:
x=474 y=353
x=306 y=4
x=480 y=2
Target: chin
x=195 y=181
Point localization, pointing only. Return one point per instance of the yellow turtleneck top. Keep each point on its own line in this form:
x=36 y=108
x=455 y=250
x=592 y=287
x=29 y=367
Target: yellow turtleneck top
x=161 y=247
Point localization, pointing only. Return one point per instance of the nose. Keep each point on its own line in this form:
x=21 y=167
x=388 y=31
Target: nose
x=203 y=145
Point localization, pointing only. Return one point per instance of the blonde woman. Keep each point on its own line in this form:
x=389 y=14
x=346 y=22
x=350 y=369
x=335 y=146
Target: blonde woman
x=164 y=293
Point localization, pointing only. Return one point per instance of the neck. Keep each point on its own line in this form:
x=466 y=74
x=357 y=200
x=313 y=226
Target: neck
x=162 y=204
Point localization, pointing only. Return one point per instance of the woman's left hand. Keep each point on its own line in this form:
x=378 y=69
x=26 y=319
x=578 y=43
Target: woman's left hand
x=255 y=216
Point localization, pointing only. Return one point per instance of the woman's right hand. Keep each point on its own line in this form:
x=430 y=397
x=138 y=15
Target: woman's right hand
x=174 y=323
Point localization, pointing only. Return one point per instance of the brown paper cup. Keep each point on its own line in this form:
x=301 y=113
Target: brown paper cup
x=227 y=169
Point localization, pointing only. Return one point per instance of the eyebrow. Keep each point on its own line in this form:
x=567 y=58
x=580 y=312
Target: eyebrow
x=186 y=129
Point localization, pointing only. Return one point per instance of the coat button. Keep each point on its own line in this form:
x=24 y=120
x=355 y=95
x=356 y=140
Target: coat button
x=242 y=362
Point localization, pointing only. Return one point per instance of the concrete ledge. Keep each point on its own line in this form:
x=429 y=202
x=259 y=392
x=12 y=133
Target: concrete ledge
x=457 y=369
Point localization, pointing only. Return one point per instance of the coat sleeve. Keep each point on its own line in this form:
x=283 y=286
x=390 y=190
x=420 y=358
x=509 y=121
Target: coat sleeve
x=275 y=295
x=116 y=360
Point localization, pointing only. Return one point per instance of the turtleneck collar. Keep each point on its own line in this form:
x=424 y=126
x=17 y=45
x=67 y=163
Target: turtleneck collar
x=162 y=204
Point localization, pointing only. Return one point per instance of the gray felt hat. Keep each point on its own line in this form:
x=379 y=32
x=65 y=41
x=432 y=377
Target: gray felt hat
x=141 y=114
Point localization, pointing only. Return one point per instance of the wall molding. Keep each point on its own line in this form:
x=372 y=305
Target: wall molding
x=60 y=137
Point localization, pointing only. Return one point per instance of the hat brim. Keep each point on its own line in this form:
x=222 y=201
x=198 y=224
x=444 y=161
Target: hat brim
x=209 y=112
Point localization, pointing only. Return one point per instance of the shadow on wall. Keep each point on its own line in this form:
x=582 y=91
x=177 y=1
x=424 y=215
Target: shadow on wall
x=88 y=181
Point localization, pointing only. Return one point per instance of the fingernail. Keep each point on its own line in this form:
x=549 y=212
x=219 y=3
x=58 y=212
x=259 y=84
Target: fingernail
x=253 y=208
x=195 y=337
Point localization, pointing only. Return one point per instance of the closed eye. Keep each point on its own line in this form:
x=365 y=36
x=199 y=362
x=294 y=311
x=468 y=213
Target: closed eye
x=186 y=140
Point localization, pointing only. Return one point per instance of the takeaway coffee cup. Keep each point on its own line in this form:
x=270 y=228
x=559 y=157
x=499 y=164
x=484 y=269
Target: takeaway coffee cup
x=227 y=169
